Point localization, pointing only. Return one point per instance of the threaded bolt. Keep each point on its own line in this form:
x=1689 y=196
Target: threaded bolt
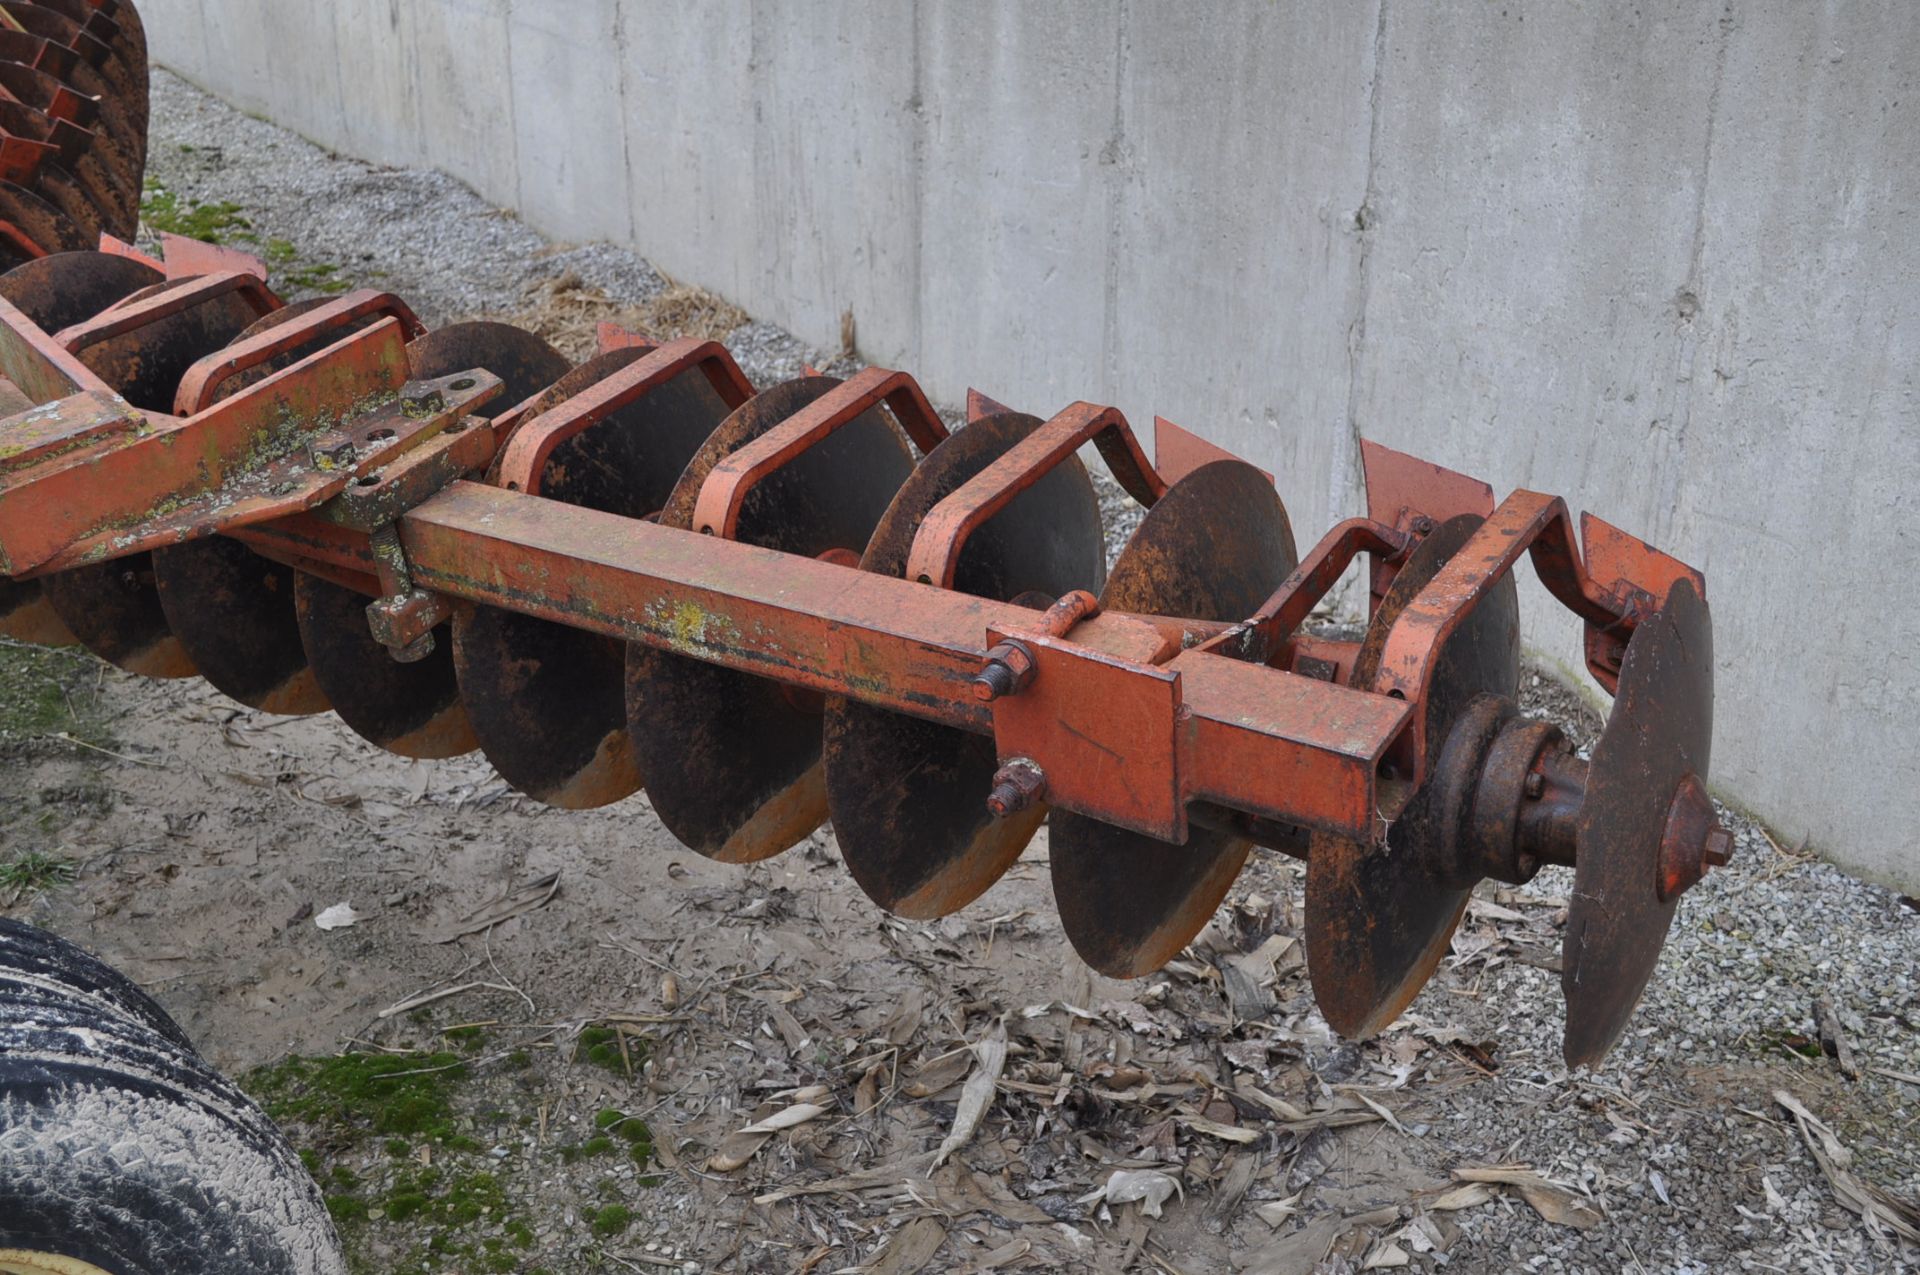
x=1016 y=787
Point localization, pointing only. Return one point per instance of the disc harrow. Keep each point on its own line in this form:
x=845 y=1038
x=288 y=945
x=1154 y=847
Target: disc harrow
x=779 y=607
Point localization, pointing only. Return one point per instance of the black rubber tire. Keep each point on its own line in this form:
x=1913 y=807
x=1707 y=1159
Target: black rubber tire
x=121 y=1148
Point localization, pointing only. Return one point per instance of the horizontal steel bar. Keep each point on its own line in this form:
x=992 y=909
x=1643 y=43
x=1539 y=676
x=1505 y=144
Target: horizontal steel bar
x=1260 y=740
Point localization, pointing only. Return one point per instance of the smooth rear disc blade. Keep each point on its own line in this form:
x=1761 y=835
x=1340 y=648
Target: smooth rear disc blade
x=1660 y=731
x=732 y=761
x=56 y=292
x=410 y=709
x=146 y=364
x=522 y=360
x=413 y=709
x=27 y=616
x=70 y=287
x=114 y=608
x=1213 y=548
x=547 y=701
x=908 y=796
x=1379 y=918
x=232 y=610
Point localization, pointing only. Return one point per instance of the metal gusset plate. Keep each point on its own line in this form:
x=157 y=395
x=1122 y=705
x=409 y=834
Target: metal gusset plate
x=731 y=761
x=1379 y=917
x=908 y=797
x=547 y=701
x=1213 y=548
x=413 y=709
x=409 y=709
x=1659 y=732
x=232 y=610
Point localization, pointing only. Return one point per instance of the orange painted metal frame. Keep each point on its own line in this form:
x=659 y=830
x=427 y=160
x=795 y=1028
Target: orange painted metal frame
x=1132 y=718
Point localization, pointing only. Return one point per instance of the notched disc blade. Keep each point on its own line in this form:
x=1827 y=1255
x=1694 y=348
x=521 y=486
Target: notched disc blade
x=732 y=761
x=1660 y=731
x=547 y=701
x=71 y=287
x=1379 y=918
x=908 y=796
x=410 y=709
x=1213 y=548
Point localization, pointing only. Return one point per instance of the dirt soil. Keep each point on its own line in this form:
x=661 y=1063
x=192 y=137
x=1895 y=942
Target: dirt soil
x=588 y=964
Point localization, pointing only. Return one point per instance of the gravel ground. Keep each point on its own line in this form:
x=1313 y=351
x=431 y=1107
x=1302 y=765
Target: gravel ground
x=1677 y=1138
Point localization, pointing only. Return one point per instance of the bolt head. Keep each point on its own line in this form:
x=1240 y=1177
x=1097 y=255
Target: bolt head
x=1719 y=847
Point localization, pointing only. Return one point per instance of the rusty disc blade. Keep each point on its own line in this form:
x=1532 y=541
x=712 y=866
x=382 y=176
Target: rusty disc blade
x=731 y=761
x=907 y=796
x=1379 y=917
x=40 y=221
x=113 y=609
x=71 y=287
x=410 y=709
x=146 y=364
x=547 y=701
x=232 y=612
x=1660 y=731
x=519 y=358
x=27 y=616
x=413 y=709
x=1213 y=548
x=231 y=609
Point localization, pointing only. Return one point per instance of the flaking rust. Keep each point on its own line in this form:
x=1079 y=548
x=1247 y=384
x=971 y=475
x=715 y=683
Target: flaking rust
x=770 y=611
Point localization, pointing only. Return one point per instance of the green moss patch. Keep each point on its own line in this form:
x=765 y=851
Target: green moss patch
x=398 y=1143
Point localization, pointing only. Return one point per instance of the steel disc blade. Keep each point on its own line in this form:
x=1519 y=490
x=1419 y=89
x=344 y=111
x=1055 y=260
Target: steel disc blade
x=1213 y=548
x=27 y=616
x=1379 y=918
x=57 y=186
x=71 y=287
x=40 y=221
x=113 y=609
x=731 y=761
x=410 y=709
x=413 y=709
x=519 y=358
x=1660 y=731
x=547 y=701
x=146 y=364
x=231 y=609
x=232 y=612
x=908 y=796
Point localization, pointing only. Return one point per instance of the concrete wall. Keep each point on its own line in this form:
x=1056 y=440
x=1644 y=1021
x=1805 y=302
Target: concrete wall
x=1665 y=260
